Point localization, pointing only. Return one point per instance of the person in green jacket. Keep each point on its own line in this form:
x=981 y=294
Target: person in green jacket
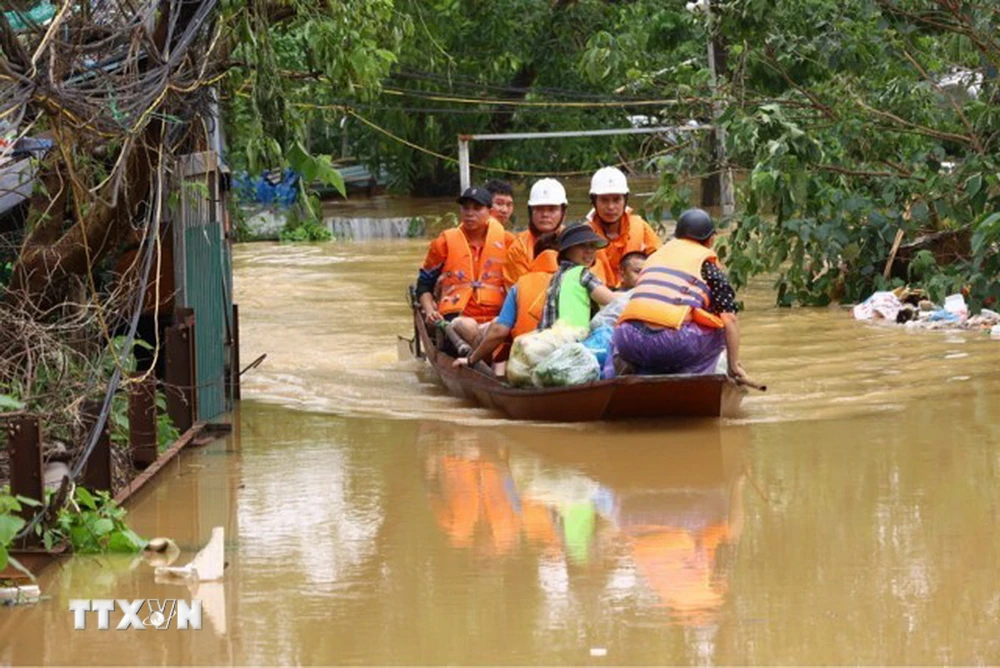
x=574 y=293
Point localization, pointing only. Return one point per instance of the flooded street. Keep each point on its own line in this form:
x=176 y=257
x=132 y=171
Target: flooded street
x=850 y=515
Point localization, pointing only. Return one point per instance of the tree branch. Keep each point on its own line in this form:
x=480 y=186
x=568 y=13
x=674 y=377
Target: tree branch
x=976 y=145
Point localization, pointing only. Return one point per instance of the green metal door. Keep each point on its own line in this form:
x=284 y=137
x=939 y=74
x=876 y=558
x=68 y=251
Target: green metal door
x=210 y=297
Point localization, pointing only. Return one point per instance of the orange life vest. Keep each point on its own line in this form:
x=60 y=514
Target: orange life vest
x=670 y=290
x=636 y=236
x=608 y=262
x=531 y=289
x=460 y=279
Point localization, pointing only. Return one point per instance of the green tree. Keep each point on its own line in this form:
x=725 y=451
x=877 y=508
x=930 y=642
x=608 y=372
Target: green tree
x=855 y=127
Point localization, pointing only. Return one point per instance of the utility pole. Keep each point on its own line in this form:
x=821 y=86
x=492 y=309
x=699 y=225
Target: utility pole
x=724 y=175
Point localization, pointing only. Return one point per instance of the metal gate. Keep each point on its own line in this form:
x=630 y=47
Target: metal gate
x=204 y=273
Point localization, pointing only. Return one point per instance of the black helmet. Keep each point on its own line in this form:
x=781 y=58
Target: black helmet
x=694 y=224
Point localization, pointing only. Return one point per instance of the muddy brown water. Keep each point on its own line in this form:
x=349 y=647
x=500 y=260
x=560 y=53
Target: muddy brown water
x=849 y=515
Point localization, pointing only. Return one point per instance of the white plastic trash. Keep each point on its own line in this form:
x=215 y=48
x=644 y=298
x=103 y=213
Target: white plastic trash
x=995 y=332
x=956 y=304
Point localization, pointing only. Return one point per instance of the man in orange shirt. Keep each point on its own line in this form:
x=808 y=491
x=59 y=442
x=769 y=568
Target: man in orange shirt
x=503 y=201
x=546 y=212
x=611 y=218
x=468 y=260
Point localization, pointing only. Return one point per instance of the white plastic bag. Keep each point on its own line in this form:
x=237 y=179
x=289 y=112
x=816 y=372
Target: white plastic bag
x=880 y=305
x=571 y=364
x=530 y=349
x=608 y=316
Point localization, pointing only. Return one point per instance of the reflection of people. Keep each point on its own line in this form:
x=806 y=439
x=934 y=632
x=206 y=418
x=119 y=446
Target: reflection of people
x=679 y=541
x=476 y=503
x=673 y=507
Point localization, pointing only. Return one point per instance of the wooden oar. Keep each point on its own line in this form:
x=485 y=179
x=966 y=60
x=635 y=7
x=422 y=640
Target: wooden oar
x=746 y=382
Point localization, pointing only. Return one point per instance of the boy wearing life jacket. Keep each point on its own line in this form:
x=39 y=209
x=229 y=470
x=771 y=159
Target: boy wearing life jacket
x=503 y=201
x=612 y=218
x=546 y=212
x=522 y=308
x=682 y=312
x=468 y=259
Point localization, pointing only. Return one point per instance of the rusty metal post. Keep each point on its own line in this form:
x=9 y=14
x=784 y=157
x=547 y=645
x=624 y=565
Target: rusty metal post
x=180 y=375
x=234 y=373
x=24 y=447
x=97 y=469
x=142 y=421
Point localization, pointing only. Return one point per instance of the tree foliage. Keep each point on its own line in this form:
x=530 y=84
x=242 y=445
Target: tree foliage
x=854 y=124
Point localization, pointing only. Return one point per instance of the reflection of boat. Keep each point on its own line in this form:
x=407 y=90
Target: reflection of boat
x=621 y=398
x=676 y=508
x=671 y=516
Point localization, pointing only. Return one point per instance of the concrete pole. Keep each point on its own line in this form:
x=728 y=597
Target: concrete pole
x=464 y=176
x=725 y=175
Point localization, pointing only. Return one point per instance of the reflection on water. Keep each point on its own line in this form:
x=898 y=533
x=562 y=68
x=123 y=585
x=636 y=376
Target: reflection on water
x=851 y=515
x=658 y=536
x=363 y=541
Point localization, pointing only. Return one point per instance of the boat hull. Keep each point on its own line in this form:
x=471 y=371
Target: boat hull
x=623 y=398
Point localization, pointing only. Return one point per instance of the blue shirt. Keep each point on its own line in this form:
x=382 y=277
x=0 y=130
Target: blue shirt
x=508 y=313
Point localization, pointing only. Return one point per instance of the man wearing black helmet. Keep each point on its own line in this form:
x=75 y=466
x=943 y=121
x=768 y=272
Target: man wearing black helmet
x=682 y=313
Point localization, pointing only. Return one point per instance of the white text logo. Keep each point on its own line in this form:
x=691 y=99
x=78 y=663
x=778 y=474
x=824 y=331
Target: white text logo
x=139 y=614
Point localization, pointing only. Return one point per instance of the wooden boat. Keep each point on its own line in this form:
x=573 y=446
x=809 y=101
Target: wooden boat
x=622 y=398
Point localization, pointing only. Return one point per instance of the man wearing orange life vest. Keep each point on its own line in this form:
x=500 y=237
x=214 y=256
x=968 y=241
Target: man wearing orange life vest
x=612 y=218
x=546 y=212
x=682 y=312
x=503 y=201
x=468 y=260
x=522 y=309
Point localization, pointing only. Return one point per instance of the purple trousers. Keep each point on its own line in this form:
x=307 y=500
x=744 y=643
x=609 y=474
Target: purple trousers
x=691 y=349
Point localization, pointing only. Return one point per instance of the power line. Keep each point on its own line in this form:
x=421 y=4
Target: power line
x=402 y=92
x=471 y=83
x=484 y=168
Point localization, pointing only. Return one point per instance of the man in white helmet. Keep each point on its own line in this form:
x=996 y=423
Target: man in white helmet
x=612 y=218
x=546 y=212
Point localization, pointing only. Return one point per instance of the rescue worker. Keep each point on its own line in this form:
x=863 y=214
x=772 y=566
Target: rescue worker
x=547 y=205
x=575 y=294
x=522 y=308
x=682 y=312
x=503 y=201
x=612 y=218
x=468 y=259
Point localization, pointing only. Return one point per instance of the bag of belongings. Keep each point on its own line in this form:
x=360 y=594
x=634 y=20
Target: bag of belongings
x=530 y=349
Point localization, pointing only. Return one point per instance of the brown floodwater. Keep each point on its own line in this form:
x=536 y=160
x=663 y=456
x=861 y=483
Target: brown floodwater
x=849 y=515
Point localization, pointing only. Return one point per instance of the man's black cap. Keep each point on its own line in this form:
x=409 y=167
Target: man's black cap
x=578 y=234
x=477 y=195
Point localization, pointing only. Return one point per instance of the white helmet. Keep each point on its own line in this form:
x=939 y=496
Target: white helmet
x=609 y=181
x=547 y=192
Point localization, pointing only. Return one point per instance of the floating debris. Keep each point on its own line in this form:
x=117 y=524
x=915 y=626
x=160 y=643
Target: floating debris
x=20 y=595
x=911 y=308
